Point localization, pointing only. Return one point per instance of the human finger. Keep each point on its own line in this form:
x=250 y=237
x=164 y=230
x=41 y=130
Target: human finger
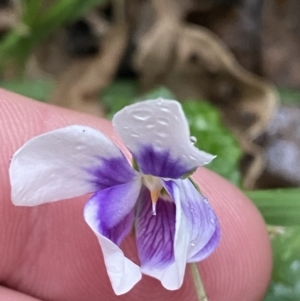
x=50 y=253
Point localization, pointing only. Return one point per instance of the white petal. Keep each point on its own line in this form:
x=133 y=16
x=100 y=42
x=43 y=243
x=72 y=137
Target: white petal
x=64 y=163
x=161 y=125
x=122 y=272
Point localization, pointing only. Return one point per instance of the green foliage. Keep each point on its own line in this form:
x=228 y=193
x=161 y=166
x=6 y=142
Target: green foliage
x=213 y=137
x=156 y=93
x=285 y=285
x=278 y=206
x=38 y=20
x=118 y=95
x=36 y=89
x=289 y=96
x=282 y=207
x=124 y=92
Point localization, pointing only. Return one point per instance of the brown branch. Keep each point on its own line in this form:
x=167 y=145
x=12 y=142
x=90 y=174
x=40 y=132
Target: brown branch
x=79 y=86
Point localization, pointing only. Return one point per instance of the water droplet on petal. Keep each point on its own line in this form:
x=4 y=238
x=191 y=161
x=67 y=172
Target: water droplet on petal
x=140 y=118
x=192 y=157
x=193 y=139
x=162 y=135
x=205 y=200
x=165 y=110
x=193 y=243
x=212 y=220
x=141 y=114
x=135 y=135
x=192 y=210
x=163 y=121
x=150 y=126
x=153 y=208
x=159 y=101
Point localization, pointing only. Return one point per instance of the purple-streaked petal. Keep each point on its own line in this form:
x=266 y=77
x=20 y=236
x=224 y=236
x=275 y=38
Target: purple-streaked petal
x=201 y=223
x=65 y=163
x=156 y=131
x=171 y=275
x=111 y=210
x=110 y=214
x=187 y=242
x=155 y=233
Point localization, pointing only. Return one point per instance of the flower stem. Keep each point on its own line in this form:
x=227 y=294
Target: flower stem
x=199 y=286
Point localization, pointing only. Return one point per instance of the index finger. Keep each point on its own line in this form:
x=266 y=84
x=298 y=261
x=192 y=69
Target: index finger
x=50 y=253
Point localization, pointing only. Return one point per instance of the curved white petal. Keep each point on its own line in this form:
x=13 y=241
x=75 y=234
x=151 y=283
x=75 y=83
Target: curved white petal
x=158 y=128
x=122 y=272
x=65 y=163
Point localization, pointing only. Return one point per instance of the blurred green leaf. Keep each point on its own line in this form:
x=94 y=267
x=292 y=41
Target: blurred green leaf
x=289 y=96
x=119 y=94
x=278 y=206
x=213 y=137
x=156 y=93
x=37 y=22
x=122 y=93
x=36 y=89
x=285 y=285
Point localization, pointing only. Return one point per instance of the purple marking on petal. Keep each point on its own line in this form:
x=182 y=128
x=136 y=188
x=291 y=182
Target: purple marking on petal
x=117 y=233
x=155 y=233
x=111 y=210
x=203 y=225
x=159 y=163
x=111 y=172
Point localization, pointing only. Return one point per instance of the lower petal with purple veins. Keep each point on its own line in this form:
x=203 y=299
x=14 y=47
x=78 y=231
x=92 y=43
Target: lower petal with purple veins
x=155 y=233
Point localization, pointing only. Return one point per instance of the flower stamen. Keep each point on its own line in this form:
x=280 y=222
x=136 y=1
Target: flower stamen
x=155 y=186
x=154 y=197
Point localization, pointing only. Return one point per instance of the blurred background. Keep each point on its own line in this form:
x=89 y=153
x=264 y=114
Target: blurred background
x=234 y=65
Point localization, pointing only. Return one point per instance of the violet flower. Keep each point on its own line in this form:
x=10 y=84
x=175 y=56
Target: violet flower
x=173 y=223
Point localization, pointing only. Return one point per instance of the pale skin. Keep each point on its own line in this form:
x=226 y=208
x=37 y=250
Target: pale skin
x=49 y=253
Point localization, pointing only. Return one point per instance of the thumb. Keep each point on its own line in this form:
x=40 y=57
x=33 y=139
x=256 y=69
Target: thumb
x=50 y=253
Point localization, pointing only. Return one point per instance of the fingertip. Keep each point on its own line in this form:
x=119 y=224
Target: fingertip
x=7 y=294
x=242 y=263
x=240 y=267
